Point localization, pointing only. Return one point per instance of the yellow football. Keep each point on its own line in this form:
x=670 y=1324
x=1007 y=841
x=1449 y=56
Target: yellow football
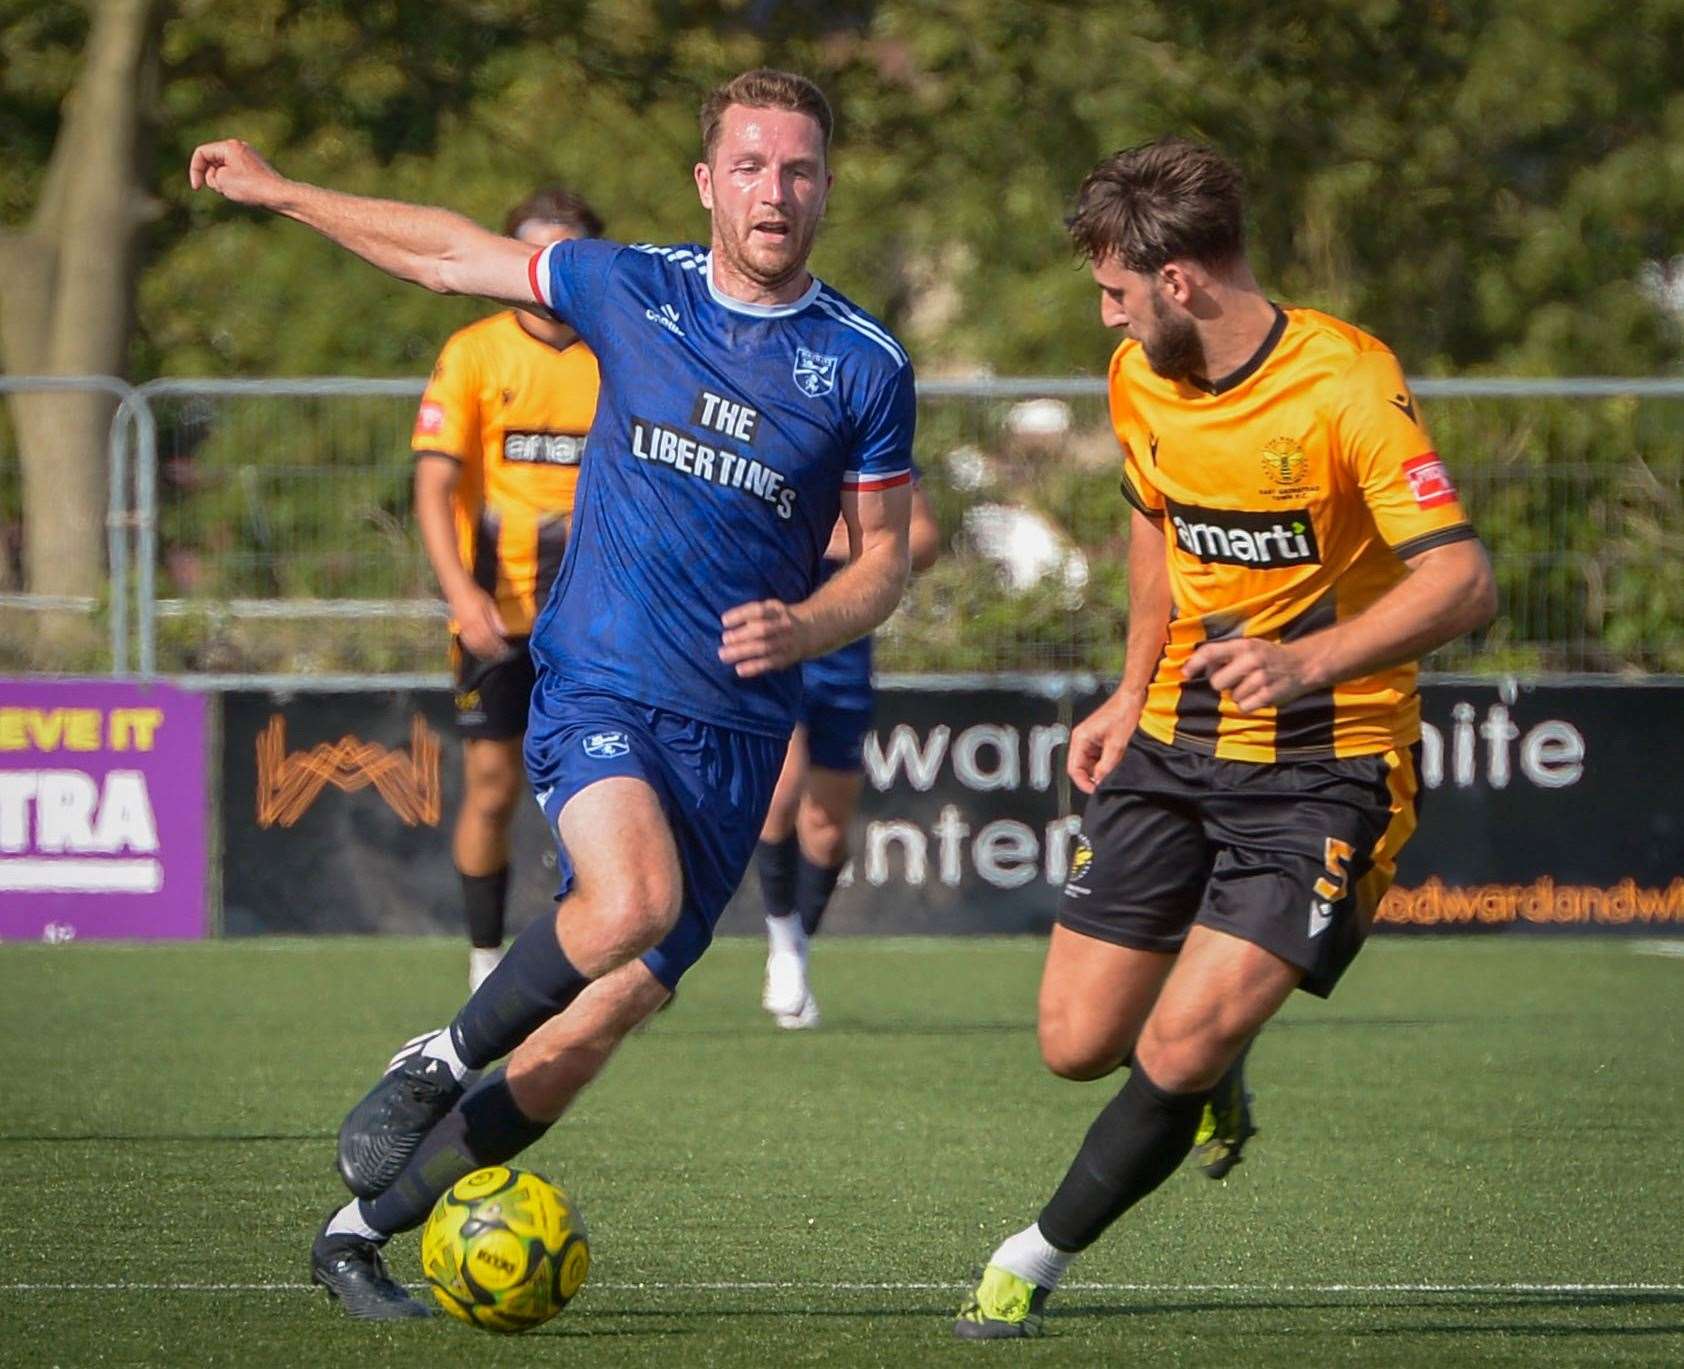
x=504 y=1249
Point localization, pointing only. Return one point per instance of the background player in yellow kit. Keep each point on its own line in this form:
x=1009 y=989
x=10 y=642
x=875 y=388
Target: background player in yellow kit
x=498 y=440
x=1296 y=546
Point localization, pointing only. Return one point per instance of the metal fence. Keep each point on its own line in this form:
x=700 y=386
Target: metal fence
x=262 y=529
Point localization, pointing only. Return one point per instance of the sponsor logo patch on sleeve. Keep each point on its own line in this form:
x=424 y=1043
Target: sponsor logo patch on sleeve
x=1429 y=482
x=430 y=420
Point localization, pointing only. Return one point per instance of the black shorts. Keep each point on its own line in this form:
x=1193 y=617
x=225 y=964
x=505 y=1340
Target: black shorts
x=1293 y=856
x=493 y=698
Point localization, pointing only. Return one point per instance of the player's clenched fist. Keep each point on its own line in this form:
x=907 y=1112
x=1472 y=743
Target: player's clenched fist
x=1254 y=673
x=232 y=169
x=1097 y=742
x=762 y=637
x=480 y=625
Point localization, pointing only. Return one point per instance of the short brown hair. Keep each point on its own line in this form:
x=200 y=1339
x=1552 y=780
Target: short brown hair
x=554 y=204
x=1158 y=202
x=764 y=88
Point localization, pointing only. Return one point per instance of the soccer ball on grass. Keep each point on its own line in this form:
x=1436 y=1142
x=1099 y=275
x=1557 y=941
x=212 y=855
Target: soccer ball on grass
x=504 y=1249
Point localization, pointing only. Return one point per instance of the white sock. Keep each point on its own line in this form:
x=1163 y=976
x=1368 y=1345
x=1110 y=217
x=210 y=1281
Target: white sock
x=786 y=936
x=1028 y=1255
x=482 y=960
x=348 y=1221
x=443 y=1047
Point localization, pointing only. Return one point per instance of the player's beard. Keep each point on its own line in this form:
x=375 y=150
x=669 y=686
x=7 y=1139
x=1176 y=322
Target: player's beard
x=770 y=269
x=1174 y=350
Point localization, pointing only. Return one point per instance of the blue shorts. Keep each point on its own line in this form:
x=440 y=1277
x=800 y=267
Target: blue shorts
x=714 y=785
x=835 y=734
x=837 y=713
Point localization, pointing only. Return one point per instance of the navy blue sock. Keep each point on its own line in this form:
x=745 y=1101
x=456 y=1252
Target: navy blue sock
x=814 y=885
x=486 y=1127
x=533 y=983
x=1136 y=1142
x=775 y=860
x=483 y=899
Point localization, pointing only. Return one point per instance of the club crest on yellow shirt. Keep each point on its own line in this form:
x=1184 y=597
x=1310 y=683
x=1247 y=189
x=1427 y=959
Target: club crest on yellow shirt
x=1286 y=471
x=1284 y=462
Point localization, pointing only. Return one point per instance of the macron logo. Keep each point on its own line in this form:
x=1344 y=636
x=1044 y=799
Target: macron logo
x=667 y=318
x=1321 y=916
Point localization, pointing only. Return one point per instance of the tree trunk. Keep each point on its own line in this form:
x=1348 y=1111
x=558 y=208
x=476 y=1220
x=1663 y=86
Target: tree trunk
x=67 y=294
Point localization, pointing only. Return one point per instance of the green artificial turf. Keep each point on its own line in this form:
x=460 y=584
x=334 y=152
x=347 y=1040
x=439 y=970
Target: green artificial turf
x=1468 y=1128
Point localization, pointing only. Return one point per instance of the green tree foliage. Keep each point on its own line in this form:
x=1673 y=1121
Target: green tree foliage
x=1482 y=184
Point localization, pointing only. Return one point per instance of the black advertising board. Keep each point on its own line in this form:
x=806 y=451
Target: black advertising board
x=337 y=812
x=961 y=825
x=1549 y=807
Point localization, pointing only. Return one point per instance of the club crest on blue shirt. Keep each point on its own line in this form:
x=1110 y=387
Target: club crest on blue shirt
x=605 y=746
x=815 y=373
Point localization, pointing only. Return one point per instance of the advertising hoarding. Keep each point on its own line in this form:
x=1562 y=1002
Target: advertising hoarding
x=1547 y=808
x=102 y=810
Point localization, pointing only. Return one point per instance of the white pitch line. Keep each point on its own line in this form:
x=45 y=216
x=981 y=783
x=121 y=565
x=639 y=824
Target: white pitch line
x=792 y=1286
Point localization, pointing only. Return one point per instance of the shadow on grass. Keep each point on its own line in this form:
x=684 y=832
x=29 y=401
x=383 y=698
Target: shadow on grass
x=943 y=1311
x=564 y=1330
x=160 y=1138
x=1420 y=1304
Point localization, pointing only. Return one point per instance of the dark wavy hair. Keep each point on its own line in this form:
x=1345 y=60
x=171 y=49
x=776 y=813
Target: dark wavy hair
x=1158 y=202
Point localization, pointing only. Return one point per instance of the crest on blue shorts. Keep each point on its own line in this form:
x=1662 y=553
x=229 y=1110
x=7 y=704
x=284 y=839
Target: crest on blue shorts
x=814 y=373
x=605 y=746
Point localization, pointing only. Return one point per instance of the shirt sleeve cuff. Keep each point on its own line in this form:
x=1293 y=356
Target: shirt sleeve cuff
x=1459 y=532
x=863 y=481
x=1133 y=496
x=538 y=276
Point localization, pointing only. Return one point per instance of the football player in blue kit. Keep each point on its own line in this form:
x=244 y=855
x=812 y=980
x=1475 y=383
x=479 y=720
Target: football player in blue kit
x=745 y=405
x=804 y=842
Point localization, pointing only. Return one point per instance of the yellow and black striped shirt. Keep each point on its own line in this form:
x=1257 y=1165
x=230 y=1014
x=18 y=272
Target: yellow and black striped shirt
x=514 y=411
x=1290 y=494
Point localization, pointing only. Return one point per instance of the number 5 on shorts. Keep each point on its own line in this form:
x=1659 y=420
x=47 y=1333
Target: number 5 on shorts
x=1338 y=857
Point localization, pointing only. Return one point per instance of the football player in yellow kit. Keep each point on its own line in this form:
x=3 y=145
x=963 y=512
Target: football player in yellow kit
x=1296 y=546
x=497 y=443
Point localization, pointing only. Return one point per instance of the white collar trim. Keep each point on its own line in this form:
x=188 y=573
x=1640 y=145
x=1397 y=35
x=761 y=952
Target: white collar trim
x=738 y=306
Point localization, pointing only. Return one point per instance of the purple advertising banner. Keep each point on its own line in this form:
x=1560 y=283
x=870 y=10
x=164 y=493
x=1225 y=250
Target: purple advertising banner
x=102 y=810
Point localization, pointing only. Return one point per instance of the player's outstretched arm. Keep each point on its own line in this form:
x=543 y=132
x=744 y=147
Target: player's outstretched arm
x=769 y=635
x=443 y=251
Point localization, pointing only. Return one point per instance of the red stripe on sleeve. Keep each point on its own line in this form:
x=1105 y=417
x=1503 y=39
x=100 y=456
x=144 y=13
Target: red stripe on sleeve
x=532 y=278
x=876 y=482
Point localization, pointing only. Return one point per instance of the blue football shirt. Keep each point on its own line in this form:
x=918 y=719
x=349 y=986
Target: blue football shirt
x=724 y=437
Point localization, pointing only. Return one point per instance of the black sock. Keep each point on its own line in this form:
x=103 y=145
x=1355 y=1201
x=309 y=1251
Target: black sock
x=486 y=1127
x=1134 y=1144
x=533 y=983
x=484 y=898
x=814 y=885
x=775 y=860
